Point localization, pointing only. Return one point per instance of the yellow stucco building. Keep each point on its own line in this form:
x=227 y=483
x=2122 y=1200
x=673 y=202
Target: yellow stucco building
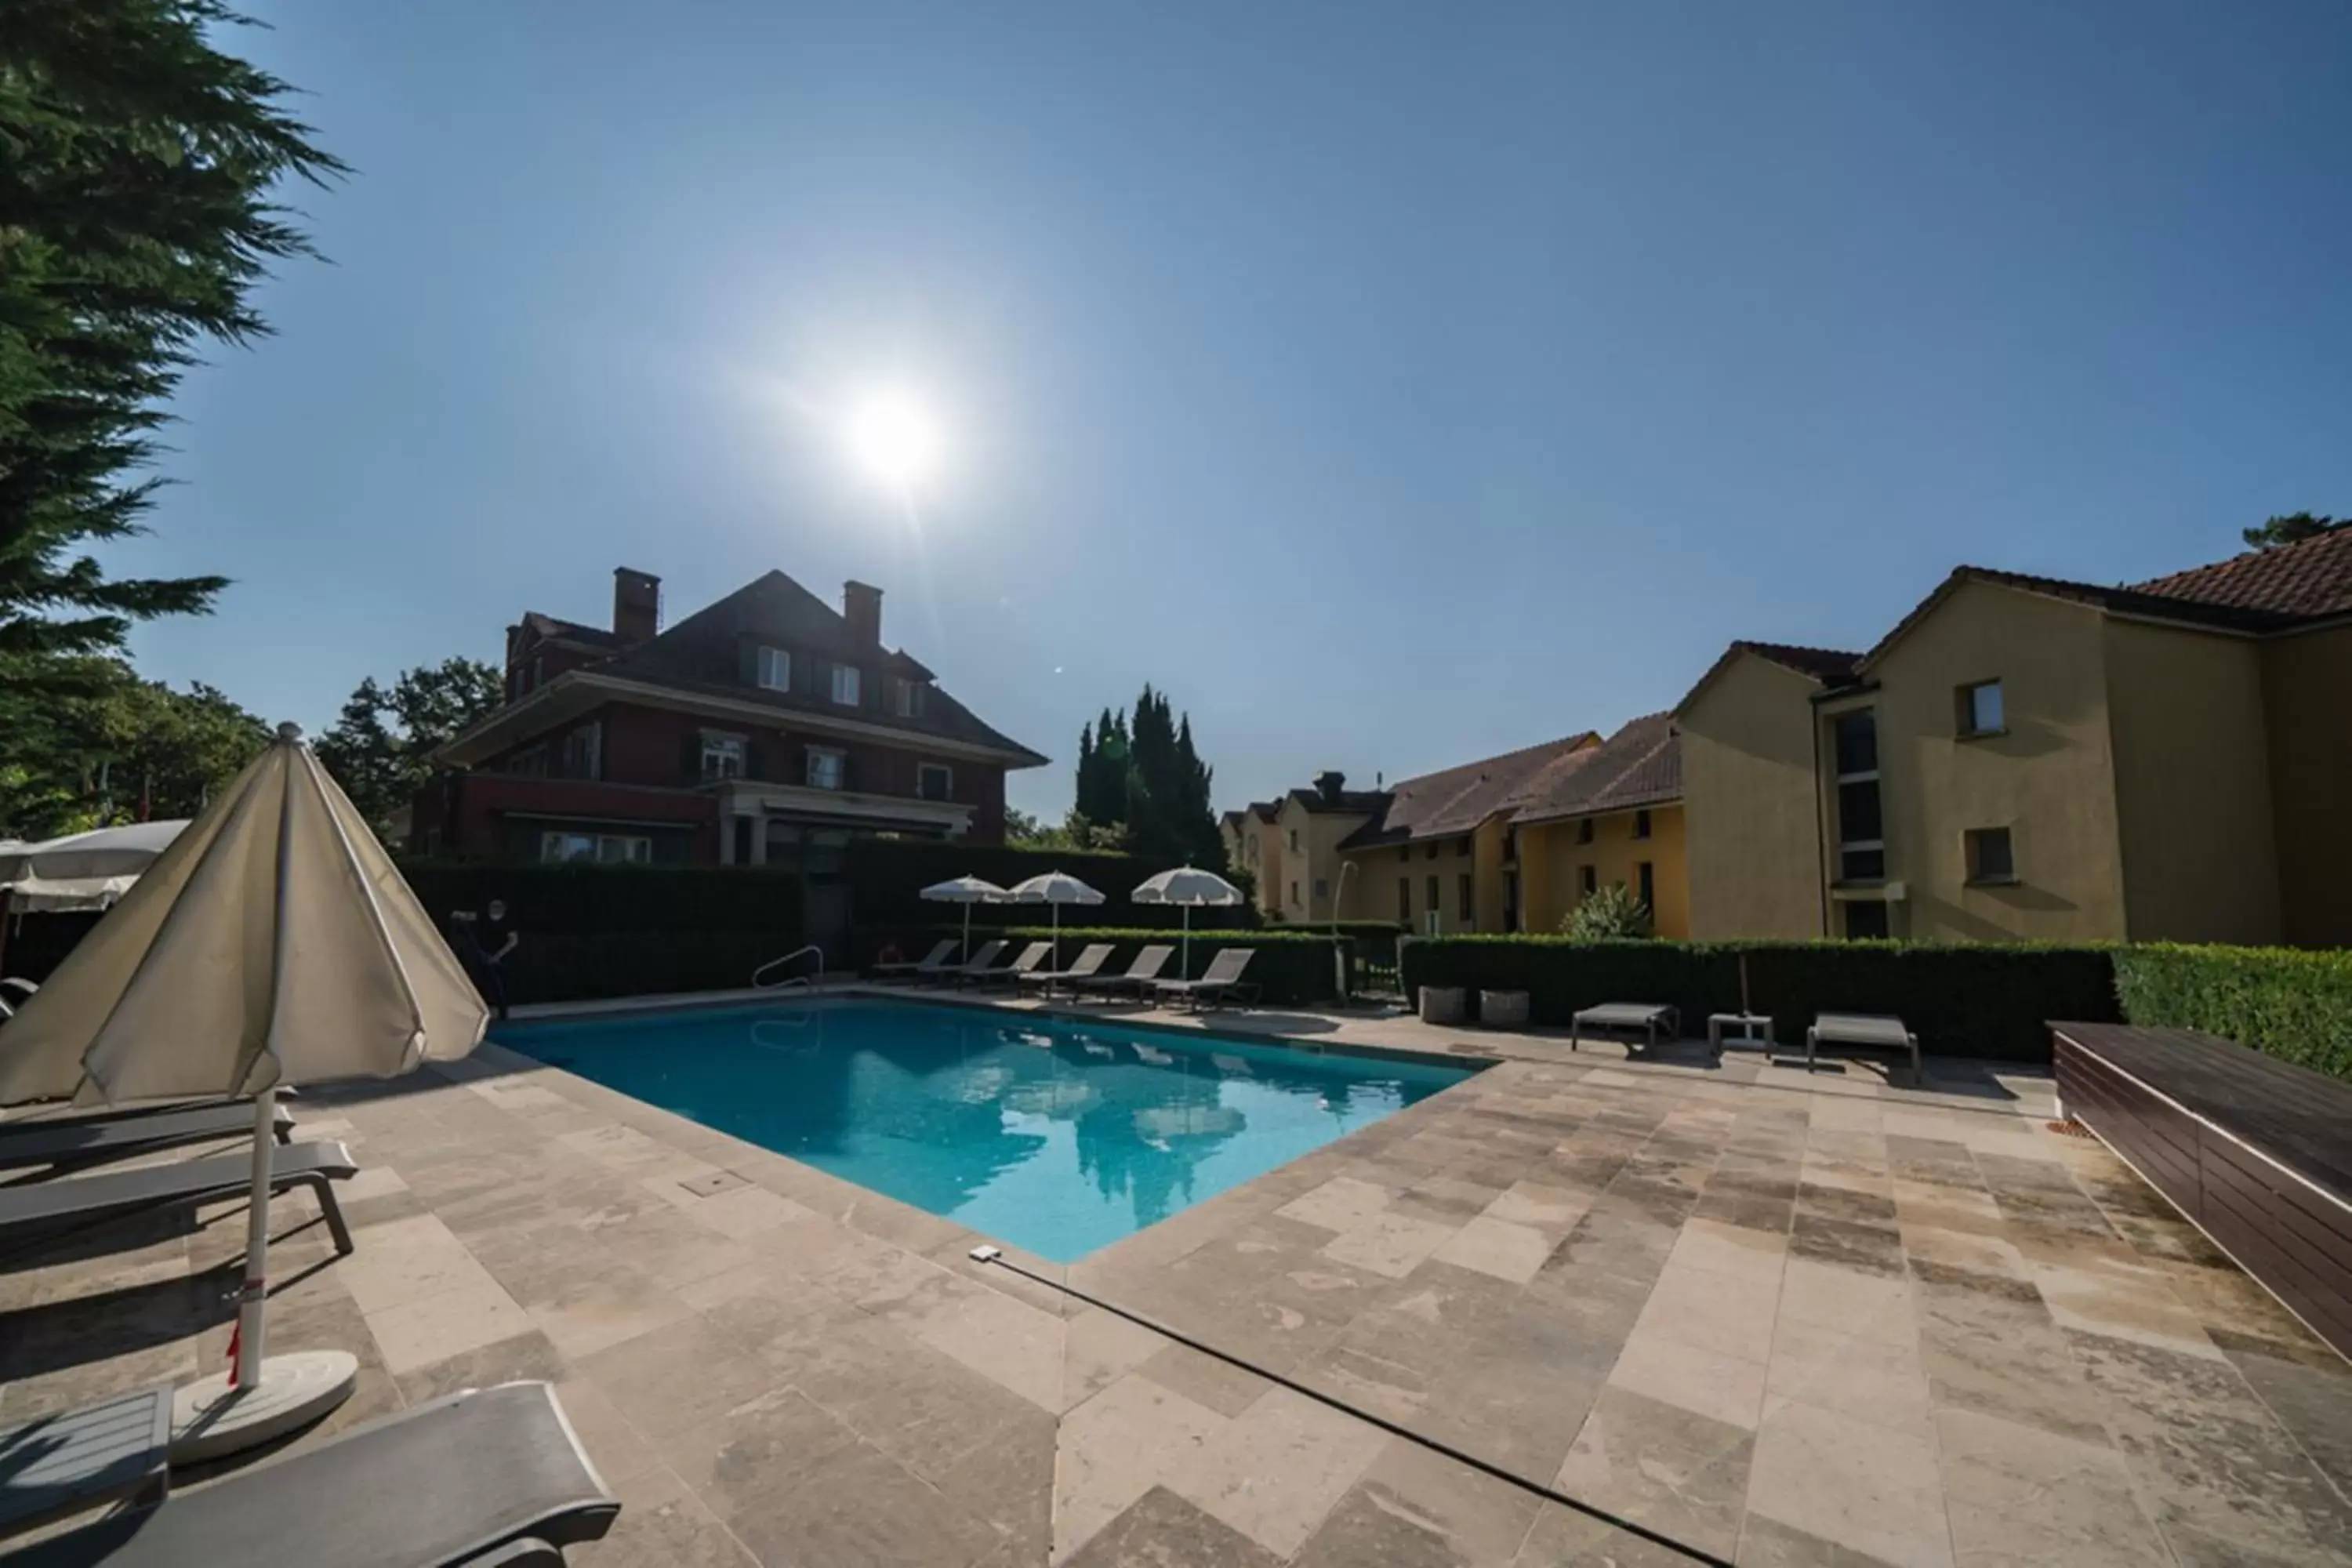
x=2026 y=758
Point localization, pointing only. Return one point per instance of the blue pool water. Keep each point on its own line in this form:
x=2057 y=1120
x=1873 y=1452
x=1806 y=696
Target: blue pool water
x=1059 y=1137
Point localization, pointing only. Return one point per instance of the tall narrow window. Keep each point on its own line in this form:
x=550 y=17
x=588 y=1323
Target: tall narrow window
x=1584 y=831
x=1587 y=880
x=584 y=753
x=909 y=698
x=1468 y=906
x=1981 y=711
x=1437 y=899
x=1642 y=874
x=775 y=669
x=1405 y=900
x=848 y=685
x=1861 y=831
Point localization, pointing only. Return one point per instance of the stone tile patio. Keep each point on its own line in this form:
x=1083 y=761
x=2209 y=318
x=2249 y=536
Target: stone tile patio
x=1782 y=1320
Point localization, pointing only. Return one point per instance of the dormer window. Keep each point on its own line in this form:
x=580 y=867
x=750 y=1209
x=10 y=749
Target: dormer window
x=907 y=697
x=848 y=685
x=776 y=670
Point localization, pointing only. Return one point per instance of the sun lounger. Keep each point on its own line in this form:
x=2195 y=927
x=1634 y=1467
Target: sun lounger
x=1140 y=973
x=20 y=989
x=32 y=1216
x=1649 y=1017
x=930 y=963
x=1219 y=981
x=69 y=1142
x=1035 y=954
x=953 y=973
x=487 y=1476
x=1871 y=1031
x=1085 y=968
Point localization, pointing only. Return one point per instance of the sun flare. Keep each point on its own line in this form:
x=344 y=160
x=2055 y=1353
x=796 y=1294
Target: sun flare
x=894 y=437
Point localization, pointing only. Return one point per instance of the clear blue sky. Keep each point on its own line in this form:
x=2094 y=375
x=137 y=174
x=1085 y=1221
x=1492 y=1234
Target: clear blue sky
x=1395 y=384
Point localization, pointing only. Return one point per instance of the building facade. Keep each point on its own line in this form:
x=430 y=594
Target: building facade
x=766 y=729
x=2025 y=758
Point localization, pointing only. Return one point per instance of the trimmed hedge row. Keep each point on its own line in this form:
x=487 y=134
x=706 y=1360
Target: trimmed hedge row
x=889 y=874
x=1976 y=1001
x=1289 y=969
x=2289 y=1002
x=591 y=901
x=575 y=967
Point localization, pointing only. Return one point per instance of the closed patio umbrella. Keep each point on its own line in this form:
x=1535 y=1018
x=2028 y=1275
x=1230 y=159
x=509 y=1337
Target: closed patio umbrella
x=966 y=890
x=1192 y=889
x=273 y=943
x=1054 y=887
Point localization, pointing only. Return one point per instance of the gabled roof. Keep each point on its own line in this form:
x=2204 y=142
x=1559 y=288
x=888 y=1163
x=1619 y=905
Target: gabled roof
x=2306 y=580
x=571 y=631
x=1640 y=766
x=1361 y=802
x=1265 y=810
x=1456 y=800
x=1822 y=666
x=2117 y=601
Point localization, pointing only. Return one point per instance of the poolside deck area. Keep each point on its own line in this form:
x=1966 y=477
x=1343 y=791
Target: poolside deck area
x=1783 y=1319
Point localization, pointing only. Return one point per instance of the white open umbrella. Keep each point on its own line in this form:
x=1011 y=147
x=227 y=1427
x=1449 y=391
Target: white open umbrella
x=79 y=871
x=273 y=943
x=1054 y=887
x=967 y=891
x=1191 y=888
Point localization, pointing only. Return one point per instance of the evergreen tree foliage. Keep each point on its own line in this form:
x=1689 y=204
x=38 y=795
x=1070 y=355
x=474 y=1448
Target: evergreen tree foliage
x=2293 y=528
x=104 y=747
x=1140 y=780
x=135 y=189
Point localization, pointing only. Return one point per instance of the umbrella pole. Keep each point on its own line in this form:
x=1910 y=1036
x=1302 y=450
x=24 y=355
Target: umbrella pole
x=1188 y=942
x=964 y=953
x=251 y=1302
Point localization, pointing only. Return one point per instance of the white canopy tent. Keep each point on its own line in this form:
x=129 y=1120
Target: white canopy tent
x=966 y=890
x=272 y=943
x=82 y=871
x=1192 y=889
x=1054 y=887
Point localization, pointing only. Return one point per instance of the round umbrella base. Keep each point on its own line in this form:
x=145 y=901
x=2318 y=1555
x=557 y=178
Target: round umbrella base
x=209 y=1419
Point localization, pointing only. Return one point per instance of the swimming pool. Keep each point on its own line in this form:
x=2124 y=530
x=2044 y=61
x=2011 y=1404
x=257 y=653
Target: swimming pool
x=1058 y=1136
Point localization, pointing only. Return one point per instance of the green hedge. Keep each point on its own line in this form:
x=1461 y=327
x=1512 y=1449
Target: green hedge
x=1977 y=1001
x=2289 y=1002
x=1290 y=969
x=591 y=901
x=887 y=876
x=575 y=967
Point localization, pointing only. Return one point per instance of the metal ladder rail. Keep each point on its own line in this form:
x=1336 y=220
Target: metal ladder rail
x=812 y=981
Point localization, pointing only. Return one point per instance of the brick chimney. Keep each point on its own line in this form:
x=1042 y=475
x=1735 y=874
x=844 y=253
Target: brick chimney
x=1329 y=785
x=636 y=605
x=861 y=606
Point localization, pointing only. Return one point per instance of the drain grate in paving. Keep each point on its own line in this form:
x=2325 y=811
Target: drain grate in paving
x=714 y=1183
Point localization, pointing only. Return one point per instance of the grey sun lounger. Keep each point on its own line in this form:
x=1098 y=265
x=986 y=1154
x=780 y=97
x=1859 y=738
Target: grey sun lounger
x=950 y=974
x=1140 y=973
x=491 y=1476
x=931 y=963
x=69 y=1142
x=1035 y=954
x=1647 y=1017
x=32 y=1216
x=1871 y=1031
x=1219 y=981
x=1085 y=967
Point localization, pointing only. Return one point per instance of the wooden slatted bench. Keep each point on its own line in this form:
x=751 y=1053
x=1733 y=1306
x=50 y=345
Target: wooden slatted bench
x=2257 y=1153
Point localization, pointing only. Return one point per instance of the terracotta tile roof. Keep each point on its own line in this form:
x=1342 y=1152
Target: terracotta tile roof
x=1455 y=800
x=1265 y=810
x=2304 y=581
x=1366 y=801
x=2117 y=601
x=1640 y=766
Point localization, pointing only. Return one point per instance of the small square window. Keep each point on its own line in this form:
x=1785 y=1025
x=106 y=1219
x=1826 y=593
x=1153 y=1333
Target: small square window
x=1980 y=709
x=775 y=669
x=934 y=781
x=825 y=768
x=1865 y=920
x=1404 y=851
x=848 y=685
x=1990 y=859
x=1861 y=865
x=1462 y=847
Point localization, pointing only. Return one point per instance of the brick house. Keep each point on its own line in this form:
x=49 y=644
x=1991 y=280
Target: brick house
x=766 y=729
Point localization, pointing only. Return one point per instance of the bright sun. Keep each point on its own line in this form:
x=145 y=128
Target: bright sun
x=894 y=439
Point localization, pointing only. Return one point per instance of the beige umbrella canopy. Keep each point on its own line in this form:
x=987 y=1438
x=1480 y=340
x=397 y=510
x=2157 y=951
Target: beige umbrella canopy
x=273 y=943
